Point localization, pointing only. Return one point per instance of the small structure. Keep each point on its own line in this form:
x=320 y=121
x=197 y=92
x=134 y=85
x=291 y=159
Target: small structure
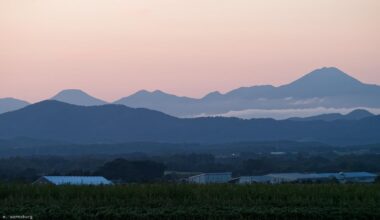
x=73 y=180
x=207 y=178
x=252 y=180
x=356 y=177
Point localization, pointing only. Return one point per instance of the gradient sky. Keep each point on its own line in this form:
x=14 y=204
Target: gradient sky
x=112 y=48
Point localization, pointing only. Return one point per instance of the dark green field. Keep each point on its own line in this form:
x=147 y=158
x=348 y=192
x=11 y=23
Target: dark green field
x=192 y=202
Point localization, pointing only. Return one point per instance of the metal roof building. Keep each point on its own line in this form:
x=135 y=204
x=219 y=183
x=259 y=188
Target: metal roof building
x=207 y=178
x=357 y=177
x=342 y=177
x=73 y=180
x=301 y=177
x=253 y=179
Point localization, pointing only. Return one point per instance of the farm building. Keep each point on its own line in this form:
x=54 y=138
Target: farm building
x=342 y=177
x=206 y=178
x=251 y=179
x=356 y=177
x=301 y=177
x=73 y=180
x=277 y=178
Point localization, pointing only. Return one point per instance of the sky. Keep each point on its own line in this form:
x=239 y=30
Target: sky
x=113 y=48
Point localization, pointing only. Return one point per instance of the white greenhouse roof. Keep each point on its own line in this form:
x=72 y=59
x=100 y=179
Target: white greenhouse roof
x=77 y=180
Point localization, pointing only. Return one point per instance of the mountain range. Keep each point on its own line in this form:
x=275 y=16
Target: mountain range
x=58 y=121
x=325 y=87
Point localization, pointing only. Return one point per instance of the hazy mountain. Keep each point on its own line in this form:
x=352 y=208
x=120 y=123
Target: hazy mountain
x=11 y=104
x=77 y=97
x=322 y=88
x=325 y=82
x=325 y=87
x=59 y=121
x=354 y=115
x=165 y=102
x=358 y=114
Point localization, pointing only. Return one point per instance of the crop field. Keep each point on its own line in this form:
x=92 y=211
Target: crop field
x=169 y=201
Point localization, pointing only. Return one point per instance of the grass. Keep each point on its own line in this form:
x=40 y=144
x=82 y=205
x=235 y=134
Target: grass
x=167 y=201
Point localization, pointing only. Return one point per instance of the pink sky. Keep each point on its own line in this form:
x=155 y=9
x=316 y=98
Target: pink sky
x=112 y=48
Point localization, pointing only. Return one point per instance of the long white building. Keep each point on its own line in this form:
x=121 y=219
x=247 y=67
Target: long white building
x=342 y=177
x=73 y=180
x=207 y=178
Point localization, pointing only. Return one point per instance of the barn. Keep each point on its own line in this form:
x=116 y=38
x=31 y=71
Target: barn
x=73 y=180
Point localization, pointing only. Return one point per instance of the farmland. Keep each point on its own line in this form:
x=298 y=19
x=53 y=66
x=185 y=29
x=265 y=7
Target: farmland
x=181 y=201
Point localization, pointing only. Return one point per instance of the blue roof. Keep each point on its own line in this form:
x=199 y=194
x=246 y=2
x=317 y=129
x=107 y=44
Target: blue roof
x=77 y=180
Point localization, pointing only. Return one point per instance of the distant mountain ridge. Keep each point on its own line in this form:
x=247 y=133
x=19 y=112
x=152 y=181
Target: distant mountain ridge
x=325 y=87
x=53 y=120
x=77 y=97
x=354 y=115
x=11 y=104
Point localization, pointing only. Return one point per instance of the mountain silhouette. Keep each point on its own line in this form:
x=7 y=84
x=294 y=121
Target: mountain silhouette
x=354 y=115
x=53 y=120
x=77 y=97
x=156 y=97
x=157 y=100
x=358 y=114
x=325 y=82
x=11 y=104
x=325 y=87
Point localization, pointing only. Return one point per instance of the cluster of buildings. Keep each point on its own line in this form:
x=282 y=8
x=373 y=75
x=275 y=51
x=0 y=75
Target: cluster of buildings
x=277 y=178
x=213 y=178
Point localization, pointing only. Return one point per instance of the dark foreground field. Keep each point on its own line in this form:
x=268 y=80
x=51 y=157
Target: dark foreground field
x=192 y=202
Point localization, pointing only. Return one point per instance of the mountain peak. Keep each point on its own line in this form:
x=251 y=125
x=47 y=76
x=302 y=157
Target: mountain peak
x=157 y=91
x=327 y=75
x=11 y=104
x=77 y=97
x=144 y=93
x=72 y=91
x=215 y=94
x=359 y=114
x=330 y=71
x=327 y=81
x=141 y=92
